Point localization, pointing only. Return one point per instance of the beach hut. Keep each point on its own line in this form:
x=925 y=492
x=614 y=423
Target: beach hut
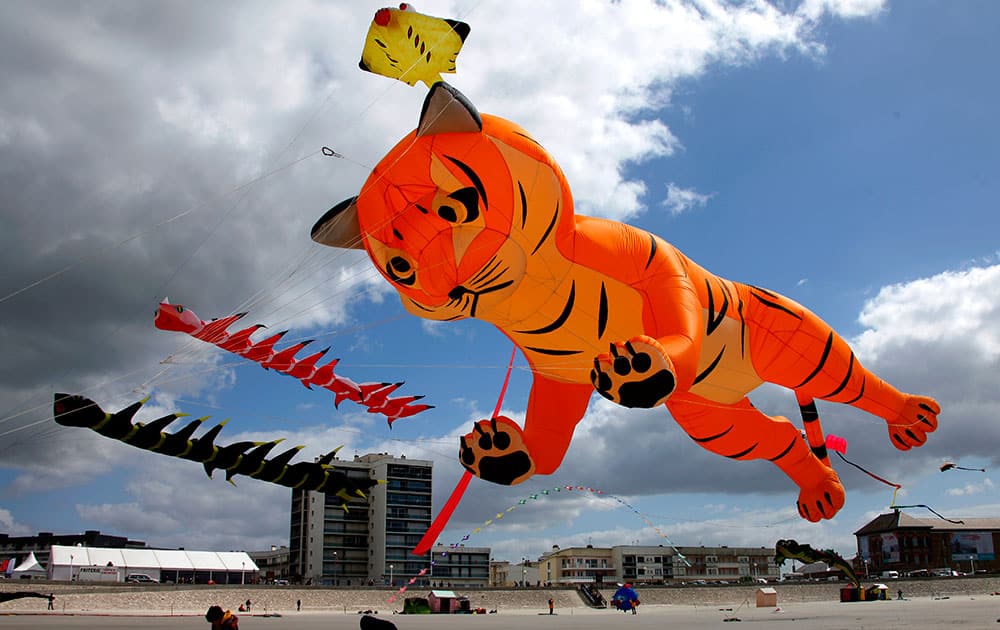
x=767 y=597
x=443 y=601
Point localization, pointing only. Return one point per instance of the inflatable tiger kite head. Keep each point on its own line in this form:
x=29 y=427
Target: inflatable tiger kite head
x=453 y=213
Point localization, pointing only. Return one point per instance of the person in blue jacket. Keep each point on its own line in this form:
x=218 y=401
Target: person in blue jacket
x=626 y=599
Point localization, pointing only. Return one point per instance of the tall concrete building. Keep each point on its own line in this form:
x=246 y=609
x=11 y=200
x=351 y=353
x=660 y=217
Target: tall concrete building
x=370 y=542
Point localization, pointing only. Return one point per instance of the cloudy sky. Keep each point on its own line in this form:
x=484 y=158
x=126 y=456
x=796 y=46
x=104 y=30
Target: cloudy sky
x=841 y=152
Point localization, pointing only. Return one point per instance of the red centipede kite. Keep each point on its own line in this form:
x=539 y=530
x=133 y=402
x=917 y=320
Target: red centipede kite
x=374 y=396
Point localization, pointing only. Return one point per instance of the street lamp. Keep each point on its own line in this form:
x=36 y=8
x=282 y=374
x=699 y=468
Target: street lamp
x=524 y=572
x=866 y=567
x=243 y=572
x=70 y=567
x=335 y=569
x=391 y=582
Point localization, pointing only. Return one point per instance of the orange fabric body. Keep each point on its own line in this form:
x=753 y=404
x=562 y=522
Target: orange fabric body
x=482 y=225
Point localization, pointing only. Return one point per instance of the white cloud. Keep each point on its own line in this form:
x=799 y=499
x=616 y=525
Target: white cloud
x=10 y=526
x=680 y=200
x=645 y=49
x=972 y=488
x=954 y=306
x=815 y=9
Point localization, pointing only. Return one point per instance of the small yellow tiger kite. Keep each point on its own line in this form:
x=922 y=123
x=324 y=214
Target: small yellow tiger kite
x=409 y=46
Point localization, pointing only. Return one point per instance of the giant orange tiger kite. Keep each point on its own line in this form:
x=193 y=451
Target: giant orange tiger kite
x=468 y=216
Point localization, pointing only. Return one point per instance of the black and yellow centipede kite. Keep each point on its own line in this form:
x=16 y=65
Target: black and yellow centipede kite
x=240 y=458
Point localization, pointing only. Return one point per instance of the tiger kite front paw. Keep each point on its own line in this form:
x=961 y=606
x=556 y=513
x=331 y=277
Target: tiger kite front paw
x=636 y=373
x=915 y=421
x=495 y=451
x=822 y=499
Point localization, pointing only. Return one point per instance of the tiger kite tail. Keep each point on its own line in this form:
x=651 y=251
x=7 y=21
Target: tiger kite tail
x=308 y=370
x=241 y=458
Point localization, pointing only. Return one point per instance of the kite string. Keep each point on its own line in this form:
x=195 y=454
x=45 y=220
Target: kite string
x=896 y=487
x=872 y=475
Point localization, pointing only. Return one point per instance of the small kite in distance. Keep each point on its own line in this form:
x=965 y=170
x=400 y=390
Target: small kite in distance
x=950 y=465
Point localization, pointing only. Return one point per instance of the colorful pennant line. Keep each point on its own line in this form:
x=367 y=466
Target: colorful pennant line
x=524 y=501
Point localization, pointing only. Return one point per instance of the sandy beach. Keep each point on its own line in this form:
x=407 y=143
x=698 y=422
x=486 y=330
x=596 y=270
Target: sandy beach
x=968 y=602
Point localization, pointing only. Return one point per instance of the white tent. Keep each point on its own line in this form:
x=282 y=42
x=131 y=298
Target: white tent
x=224 y=567
x=29 y=568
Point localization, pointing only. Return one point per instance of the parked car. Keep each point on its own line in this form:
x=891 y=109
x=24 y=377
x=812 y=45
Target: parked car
x=140 y=578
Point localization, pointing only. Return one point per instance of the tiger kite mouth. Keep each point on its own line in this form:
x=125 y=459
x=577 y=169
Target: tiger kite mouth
x=460 y=296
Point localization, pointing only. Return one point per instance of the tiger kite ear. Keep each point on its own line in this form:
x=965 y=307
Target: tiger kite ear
x=339 y=227
x=446 y=110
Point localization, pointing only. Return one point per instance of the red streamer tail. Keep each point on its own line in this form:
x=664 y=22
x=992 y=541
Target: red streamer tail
x=432 y=533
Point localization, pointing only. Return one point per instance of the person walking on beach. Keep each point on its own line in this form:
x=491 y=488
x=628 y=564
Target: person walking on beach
x=552 y=604
x=298 y=605
x=248 y=604
x=52 y=601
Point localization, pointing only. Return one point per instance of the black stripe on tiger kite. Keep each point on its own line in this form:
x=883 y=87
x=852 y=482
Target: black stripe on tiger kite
x=558 y=321
x=524 y=204
x=822 y=361
x=545 y=236
x=847 y=379
x=471 y=174
x=714 y=321
x=861 y=393
x=712 y=437
x=711 y=367
x=553 y=351
x=602 y=312
x=784 y=452
x=774 y=305
x=652 y=250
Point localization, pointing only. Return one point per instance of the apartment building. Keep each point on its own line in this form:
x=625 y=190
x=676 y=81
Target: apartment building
x=368 y=543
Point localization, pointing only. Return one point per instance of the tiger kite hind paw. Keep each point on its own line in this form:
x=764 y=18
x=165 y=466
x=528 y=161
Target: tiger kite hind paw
x=495 y=451
x=822 y=500
x=915 y=421
x=635 y=373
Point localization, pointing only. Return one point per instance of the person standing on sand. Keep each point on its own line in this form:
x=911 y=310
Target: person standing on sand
x=298 y=605
x=552 y=605
x=52 y=601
